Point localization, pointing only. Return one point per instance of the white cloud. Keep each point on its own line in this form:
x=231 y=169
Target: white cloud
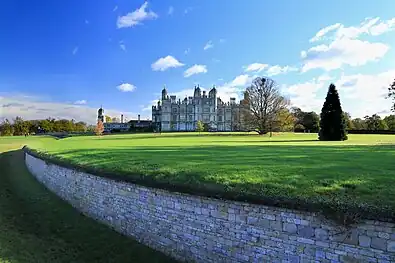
x=30 y=108
x=208 y=45
x=276 y=70
x=258 y=67
x=353 y=52
x=136 y=17
x=165 y=63
x=122 y=45
x=345 y=48
x=187 y=10
x=115 y=8
x=86 y=21
x=324 y=31
x=383 y=27
x=195 y=69
x=126 y=87
x=222 y=40
x=170 y=11
x=186 y=52
x=75 y=50
x=367 y=92
x=304 y=95
x=80 y=102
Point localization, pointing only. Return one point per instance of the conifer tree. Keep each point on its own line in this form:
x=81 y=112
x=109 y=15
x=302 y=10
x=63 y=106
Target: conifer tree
x=332 y=124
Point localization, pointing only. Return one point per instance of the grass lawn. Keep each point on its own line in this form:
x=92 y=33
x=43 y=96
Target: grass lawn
x=36 y=226
x=292 y=166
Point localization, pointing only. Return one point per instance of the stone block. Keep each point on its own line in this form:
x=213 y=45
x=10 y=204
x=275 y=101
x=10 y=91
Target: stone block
x=252 y=220
x=391 y=246
x=384 y=235
x=322 y=244
x=290 y=228
x=364 y=241
x=305 y=240
x=264 y=223
x=306 y=231
x=379 y=243
x=276 y=225
x=331 y=256
x=268 y=217
x=321 y=234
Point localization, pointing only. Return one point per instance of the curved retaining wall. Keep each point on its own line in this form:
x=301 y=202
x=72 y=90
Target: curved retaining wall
x=201 y=229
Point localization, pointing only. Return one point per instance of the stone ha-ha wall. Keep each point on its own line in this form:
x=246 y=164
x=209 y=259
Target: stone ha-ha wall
x=199 y=229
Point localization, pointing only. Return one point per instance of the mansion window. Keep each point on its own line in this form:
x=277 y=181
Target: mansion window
x=190 y=117
x=219 y=118
x=174 y=109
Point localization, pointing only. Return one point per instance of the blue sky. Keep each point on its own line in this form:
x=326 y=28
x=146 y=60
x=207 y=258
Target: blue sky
x=66 y=58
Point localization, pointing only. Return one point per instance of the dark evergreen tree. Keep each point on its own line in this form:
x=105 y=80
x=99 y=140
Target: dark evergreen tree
x=332 y=124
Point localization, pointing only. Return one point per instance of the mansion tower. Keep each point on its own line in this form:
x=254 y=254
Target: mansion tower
x=171 y=114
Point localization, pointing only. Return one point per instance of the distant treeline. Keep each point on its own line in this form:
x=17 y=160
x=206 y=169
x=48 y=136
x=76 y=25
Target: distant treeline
x=18 y=126
x=292 y=120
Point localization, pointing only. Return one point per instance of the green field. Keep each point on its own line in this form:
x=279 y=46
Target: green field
x=36 y=226
x=359 y=171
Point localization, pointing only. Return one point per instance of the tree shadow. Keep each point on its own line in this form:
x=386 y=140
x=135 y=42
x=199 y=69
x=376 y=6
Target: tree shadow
x=37 y=226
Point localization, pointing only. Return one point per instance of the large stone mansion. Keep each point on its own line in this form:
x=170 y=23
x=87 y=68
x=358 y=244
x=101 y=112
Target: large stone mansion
x=171 y=114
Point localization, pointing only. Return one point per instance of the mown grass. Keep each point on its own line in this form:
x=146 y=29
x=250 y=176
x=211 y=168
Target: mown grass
x=359 y=171
x=36 y=226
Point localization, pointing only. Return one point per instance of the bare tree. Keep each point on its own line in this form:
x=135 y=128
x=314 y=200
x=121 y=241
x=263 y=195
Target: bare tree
x=391 y=94
x=264 y=104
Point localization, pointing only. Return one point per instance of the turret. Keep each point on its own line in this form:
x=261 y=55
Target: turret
x=197 y=93
x=100 y=114
x=212 y=93
x=164 y=93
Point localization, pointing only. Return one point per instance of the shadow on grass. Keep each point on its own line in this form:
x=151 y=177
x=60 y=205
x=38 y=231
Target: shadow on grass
x=351 y=174
x=37 y=226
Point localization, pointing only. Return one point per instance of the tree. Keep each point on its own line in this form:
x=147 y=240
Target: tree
x=6 y=128
x=116 y=120
x=332 y=123
x=390 y=121
x=359 y=124
x=311 y=121
x=20 y=126
x=199 y=126
x=348 y=120
x=391 y=94
x=375 y=123
x=107 y=118
x=99 y=128
x=285 y=121
x=264 y=104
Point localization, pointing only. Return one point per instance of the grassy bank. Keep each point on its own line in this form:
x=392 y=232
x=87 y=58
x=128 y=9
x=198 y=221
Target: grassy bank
x=36 y=226
x=358 y=172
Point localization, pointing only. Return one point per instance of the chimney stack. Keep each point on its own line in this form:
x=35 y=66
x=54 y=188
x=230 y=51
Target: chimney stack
x=121 y=118
x=138 y=118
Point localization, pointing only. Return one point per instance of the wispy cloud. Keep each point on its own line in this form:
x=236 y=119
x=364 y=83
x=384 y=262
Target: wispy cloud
x=165 y=63
x=188 y=10
x=195 y=69
x=257 y=67
x=186 y=52
x=122 y=45
x=75 y=50
x=30 y=108
x=126 y=87
x=115 y=8
x=136 y=17
x=276 y=70
x=171 y=10
x=345 y=46
x=208 y=45
x=86 y=21
x=80 y=102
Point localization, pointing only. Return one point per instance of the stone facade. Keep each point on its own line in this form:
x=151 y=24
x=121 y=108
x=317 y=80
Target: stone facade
x=192 y=228
x=171 y=114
